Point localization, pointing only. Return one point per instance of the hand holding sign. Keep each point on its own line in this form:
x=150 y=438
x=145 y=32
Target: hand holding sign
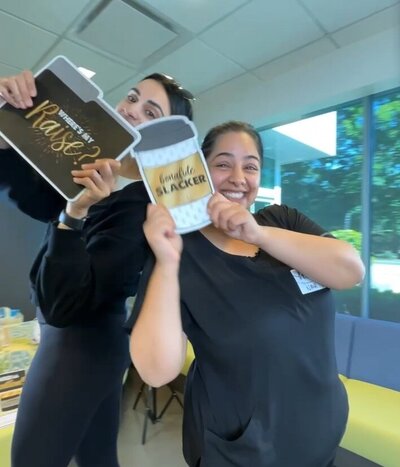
x=174 y=170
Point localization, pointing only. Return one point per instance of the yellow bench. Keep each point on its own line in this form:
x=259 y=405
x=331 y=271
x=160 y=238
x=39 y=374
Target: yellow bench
x=373 y=428
x=368 y=356
x=189 y=359
x=6 y=433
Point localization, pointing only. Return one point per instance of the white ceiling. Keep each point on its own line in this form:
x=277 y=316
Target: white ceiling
x=203 y=43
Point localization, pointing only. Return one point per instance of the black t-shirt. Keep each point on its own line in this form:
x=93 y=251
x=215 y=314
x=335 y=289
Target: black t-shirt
x=264 y=389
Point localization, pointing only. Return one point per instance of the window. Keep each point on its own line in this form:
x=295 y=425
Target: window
x=320 y=173
x=317 y=165
x=385 y=208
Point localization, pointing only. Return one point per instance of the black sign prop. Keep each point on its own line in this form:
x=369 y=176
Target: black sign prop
x=69 y=125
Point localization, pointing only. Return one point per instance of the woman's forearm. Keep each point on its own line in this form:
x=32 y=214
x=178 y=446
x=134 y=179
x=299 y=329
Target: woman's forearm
x=158 y=344
x=331 y=262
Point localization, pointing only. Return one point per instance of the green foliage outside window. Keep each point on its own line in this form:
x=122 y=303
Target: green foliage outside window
x=351 y=236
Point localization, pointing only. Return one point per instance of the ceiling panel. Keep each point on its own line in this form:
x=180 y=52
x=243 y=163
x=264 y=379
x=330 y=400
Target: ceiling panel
x=26 y=44
x=242 y=88
x=195 y=15
x=206 y=69
x=125 y=32
x=339 y=13
x=294 y=59
x=388 y=18
x=260 y=32
x=269 y=37
x=121 y=91
x=108 y=73
x=58 y=14
x=6 y=70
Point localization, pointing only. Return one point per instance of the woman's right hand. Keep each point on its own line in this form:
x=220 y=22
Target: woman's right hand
x=159 y=229
x=17 y=91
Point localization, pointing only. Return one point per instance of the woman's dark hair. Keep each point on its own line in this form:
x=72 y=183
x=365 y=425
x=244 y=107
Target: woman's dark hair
x=180 y=99
x=228 y=127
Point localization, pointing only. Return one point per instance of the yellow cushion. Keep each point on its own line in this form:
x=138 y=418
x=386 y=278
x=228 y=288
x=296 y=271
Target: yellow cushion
x=189 y=359
x=343 y=378
x=373 y=428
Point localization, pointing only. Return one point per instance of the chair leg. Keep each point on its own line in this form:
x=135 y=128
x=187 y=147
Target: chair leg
x=173 y=396
x=149 y=396
x=138 y=396
x=144 y=432
x=153 y=410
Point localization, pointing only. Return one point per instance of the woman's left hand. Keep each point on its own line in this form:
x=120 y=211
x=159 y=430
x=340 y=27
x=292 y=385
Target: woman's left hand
x=233 y=219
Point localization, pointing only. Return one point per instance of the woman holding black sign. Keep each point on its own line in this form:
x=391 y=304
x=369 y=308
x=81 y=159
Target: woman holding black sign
x=252 y=294
x=88 y=265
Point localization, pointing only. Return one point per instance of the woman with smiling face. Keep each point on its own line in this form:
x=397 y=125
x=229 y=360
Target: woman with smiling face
x=80 y=280
x=252 y=294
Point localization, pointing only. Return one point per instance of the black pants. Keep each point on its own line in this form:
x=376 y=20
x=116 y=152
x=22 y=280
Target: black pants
x=70 y=403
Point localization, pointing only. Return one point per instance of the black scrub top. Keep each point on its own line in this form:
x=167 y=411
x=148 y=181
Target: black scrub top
x=264 y=388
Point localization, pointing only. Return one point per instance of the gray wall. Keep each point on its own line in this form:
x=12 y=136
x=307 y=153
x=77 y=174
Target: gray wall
x=20 y=238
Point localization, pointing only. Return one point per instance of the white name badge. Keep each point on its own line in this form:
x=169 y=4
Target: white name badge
x=306 y=285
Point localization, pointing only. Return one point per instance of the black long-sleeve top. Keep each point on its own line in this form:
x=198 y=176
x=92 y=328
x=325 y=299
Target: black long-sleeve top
x=32 y=194
x=78 y=277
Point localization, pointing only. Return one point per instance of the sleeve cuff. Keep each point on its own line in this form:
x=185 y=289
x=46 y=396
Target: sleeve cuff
x=68 y=244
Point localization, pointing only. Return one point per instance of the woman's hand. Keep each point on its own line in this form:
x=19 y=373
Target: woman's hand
x=233 y=219
x=159 y=229
x=18 y=91
x=99 y=180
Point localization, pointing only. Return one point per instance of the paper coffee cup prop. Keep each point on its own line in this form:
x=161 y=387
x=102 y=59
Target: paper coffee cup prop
x=174 y=170
x=69 y=125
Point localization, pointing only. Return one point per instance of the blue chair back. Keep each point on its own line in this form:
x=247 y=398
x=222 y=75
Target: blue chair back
x=376 y=353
